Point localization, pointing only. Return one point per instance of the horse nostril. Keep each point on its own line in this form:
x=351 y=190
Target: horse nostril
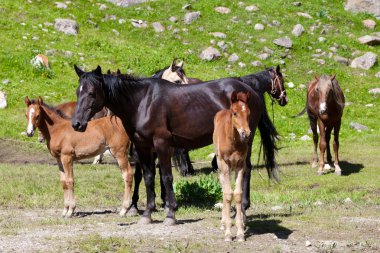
x=76 y=125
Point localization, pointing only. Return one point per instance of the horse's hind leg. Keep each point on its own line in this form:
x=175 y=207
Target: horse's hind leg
x=133 y=210
x=246 y=201
x=224 y=177
x=313 y=126
x=338 y=170
x=67 y=179
x=238 y=192
x=328 y=151
x=62 y=179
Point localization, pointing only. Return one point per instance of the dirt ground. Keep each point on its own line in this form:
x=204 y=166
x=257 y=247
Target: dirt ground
x=340 y=228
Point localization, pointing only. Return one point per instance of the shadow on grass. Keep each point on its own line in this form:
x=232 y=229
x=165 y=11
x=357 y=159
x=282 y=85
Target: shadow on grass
x=85 y=214
x=259 y=227
x=179 y=222
x=350 y=168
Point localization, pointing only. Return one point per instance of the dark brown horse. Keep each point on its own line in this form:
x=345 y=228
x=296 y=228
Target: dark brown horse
x=158 y=114
x=324 y=106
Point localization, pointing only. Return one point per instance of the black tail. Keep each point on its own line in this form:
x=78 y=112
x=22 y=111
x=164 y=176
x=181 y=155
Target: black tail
x=269 y=136
x=301 y=113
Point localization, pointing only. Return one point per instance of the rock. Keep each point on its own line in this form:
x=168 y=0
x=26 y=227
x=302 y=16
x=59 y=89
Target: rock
x=276 y=208
x=364 y=62
x=292 y=136
x=186 y=7
x=242 y=65
x=290 y=85
x=358 y=127
x=369 y=23
x=259 y=27
x=218 y=206
x=369 y=40
x=342 y=60
x=318 y=203
x=347 y=201
x=158 y=27
x=222 y=45
x=264 y=56
x=302 y=86
x=223 y=10
x=219 y=35
x=126 y=3
x=276 y=23
x=305 y=138
x=233 y=58
x=369 y=6
x=321 y=39
x=39 y=61
x=139 y=23
x=191 y=16
x=102 y=7
x=209 y=54
x=297 y=4
x=6 y=81
x=307 y=243
x=256 y=63
x=60 y=5
x=173 y=19
x=66 y=26
x=298 y=30
x=377 y=74
x=283 y=42
x=369 y=105
x=123 y=21
x=375 y=91
x=303 y=14
x=115 y=32
x=3 y=100
x=252 y=8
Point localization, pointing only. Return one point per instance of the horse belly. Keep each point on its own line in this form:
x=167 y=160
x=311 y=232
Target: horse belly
x=89 y=148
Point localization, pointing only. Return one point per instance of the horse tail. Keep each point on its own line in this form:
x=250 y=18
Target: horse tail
x=269 y=135
x=301 y=113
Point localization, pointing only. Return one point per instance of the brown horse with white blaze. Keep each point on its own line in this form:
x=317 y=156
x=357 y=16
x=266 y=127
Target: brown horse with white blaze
x=67 y=146
x=230 y=138
x=324 y=106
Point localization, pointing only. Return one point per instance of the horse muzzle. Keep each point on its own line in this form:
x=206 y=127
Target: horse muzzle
x=80 y=127
x=30 y=133
x=244 y=135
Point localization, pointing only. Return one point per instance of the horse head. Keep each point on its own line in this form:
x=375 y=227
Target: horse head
x=278 y=91
x=240 y=113
x=175 y=73
x=90 y=95
x=33 y=115
x=324 y=90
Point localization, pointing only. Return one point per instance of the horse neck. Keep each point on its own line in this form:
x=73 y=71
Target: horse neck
x=49 y=120
x=260 y=82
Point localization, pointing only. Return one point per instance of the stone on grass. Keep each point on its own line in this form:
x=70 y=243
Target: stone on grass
x=187 y=7
x=190 y=17
x=222 y=45
x=369 y=40
x=102 y=7
x=307 y=243
x=341 y=60
x=283 y=42
x=242 y=65
x=290 y=85
x=369 y=6
x=233 y=58
x=252 y=8
x=210 y=54
x=6 y=81
x=115 y=32
x=303 y=14
x=256 y=63
x=369 y=23
x=158 y=27
x=347 y=201
x=259 y=27
x=298 y=30
x=276 y=208
x=297 y=3
x=219 y=35
x=305 y=138
x=66 y=26
x=365 y=61
x=126 y=3
x=375 y=91
x=60 y=5
x=223 y=10
x=173 y=19
x=318 y=203
x=264 y=56
x=3 y=100
x=139 y=23
x=377 y=74
x=358 y=127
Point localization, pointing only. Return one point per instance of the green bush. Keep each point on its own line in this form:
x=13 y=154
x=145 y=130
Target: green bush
x=203 y=192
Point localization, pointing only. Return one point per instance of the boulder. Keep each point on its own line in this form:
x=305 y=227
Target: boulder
x=283 y=42
x=368 y=6
x=191 y=16
x=369 y=40
x=210 y=54
x=364 y=62
x=66 y=26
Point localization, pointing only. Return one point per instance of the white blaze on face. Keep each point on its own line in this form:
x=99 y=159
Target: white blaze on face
x=80 y=89
x=322 y=107
x=243 y=108
x=30 y=128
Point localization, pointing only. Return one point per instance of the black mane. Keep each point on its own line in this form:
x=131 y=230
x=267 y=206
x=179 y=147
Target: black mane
x=254 y=80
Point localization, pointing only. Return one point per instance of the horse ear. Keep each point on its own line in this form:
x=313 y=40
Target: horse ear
x=98 y=71
x=173 y=66
x=278 y=69
x=234 y=97
x=316 y=77
x=118 y=72
x=27 y=101
x=333 y=77
x=180 y=64
x=39 y=100
x=78 y=70
x=109 y=72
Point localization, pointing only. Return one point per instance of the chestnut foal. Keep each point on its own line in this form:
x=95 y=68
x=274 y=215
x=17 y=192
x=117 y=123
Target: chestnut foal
x=67 y=146
x=231 y=135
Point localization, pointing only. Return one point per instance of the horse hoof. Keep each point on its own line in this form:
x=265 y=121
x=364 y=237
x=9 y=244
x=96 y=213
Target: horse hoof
x=228 y=238
x=338 y=172
x=240 y=238
x=122 y=212
x=320 y=173
x=170 y=222
x=133 y=211
x=64 y=212
x=314 y=164
x=145 y=221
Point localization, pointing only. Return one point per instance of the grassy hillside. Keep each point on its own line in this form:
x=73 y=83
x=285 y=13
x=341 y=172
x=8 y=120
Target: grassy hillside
x=25 y=33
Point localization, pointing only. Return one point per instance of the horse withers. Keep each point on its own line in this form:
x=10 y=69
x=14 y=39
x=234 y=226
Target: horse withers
x=324 y=106
x=67 y=146
x=230 y=138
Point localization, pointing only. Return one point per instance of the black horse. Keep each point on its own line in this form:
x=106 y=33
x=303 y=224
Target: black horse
x=158 y=114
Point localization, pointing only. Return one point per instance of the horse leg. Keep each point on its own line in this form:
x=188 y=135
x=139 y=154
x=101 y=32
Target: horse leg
x=147 y=163
x=98 y=159
x=313 y=126
x=328 y=151
x=238 y=192
x=214 y=164
x=246 y=202
x=133 y=210
x=338 y=170
x=164 y=156
x=163 y=195
x=62 y=179
x=67 y=163
x=322 y=147
x=224 y=177
x=186 y=160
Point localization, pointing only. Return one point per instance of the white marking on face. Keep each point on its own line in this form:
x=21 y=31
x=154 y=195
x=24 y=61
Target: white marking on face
x=243 y=108
x=81 y=88
x=322 y=107
x=30 y=128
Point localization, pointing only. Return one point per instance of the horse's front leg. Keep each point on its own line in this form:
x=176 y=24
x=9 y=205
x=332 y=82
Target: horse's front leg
x=328 y=151
x=164 y=157
x=313 y=126
x=67 y=180
x=338 y=170
x=147 y=164
x=322 y=147
x=238 y=199
x=224 y=178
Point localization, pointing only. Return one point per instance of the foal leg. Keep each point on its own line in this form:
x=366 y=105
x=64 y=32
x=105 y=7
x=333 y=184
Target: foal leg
x=313 y=126
x=62 y=179
x=68 y=187
x=338 y=170
x=224 y=177
x=322 y=147
x=238 y=192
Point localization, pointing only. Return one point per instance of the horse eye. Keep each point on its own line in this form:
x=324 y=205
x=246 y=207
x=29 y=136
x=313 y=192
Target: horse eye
x=91 y=94
x=178 y=82
x=235 y=114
